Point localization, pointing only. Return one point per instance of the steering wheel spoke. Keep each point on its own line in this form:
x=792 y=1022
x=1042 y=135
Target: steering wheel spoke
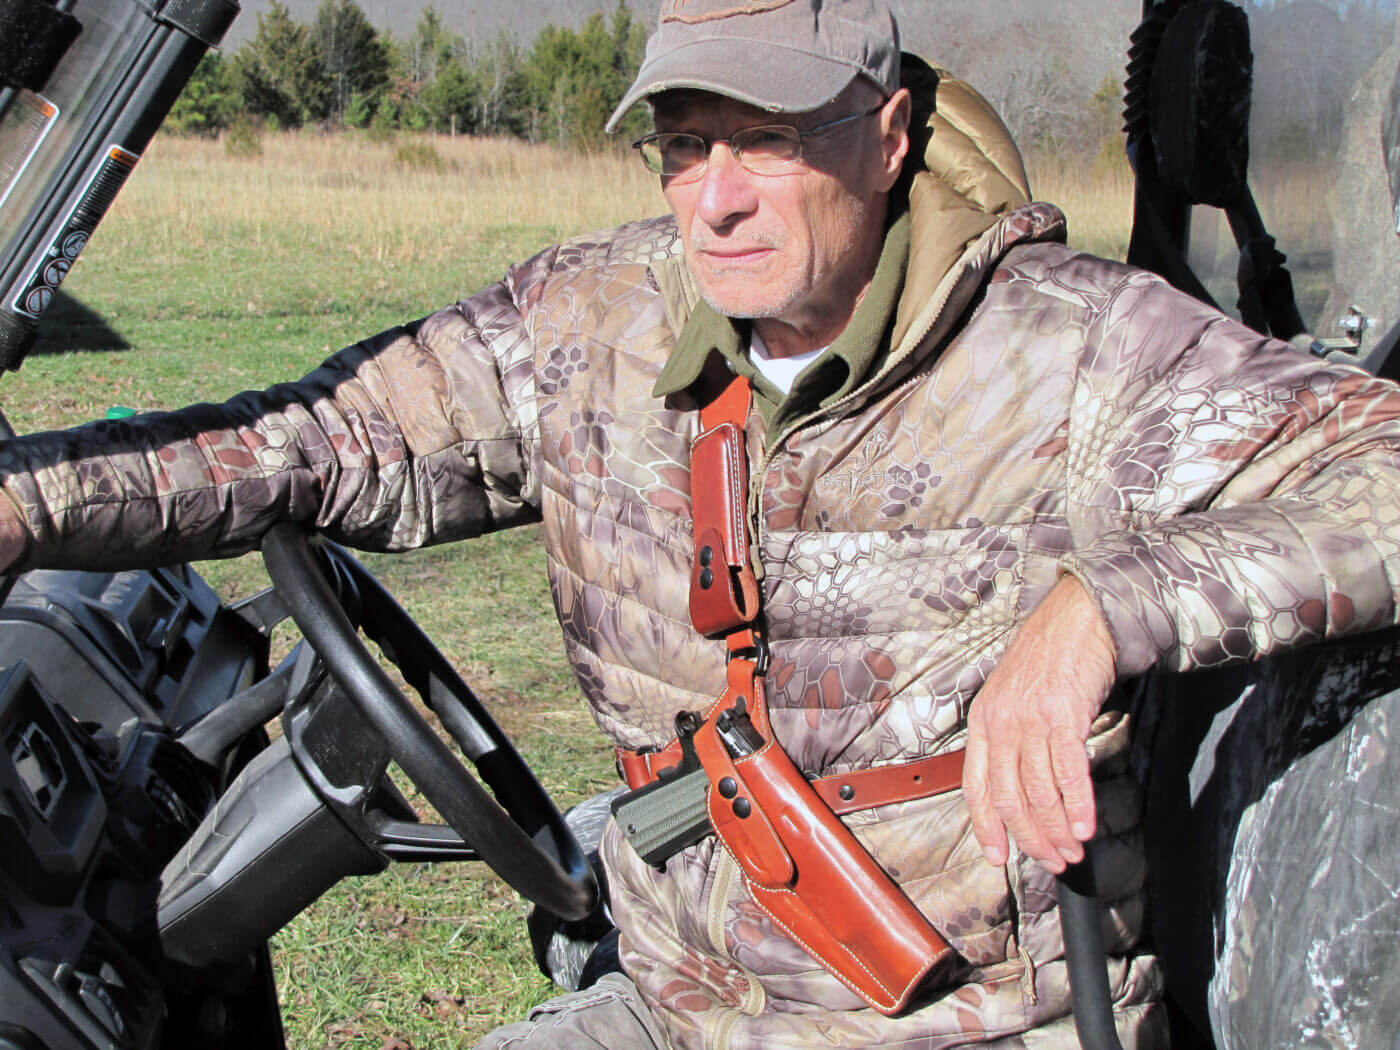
x=519 y=832
x=411 y=840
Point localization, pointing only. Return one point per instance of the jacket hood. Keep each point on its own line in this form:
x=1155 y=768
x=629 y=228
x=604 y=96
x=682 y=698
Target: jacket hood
x=963 y=173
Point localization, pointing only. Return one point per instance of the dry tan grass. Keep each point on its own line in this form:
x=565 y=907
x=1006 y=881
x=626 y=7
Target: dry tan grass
x=1096 y=196
x=1294 y=199
x=346 y=193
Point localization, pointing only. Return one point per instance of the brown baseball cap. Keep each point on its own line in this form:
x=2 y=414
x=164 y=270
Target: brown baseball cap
x=785 y=56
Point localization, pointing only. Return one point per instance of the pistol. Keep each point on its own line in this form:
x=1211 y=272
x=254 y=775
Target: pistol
x=666 y=816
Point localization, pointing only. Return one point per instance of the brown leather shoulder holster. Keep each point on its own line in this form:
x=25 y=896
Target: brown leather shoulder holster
x=801 y=864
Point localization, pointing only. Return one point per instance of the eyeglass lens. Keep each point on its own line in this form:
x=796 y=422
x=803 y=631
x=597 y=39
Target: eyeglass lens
x=762 y=150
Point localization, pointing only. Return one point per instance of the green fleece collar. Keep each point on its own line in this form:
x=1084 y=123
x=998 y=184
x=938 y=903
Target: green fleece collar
x=826 y=380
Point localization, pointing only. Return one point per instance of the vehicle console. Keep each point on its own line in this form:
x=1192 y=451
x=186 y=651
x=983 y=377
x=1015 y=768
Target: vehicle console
x=97 y=673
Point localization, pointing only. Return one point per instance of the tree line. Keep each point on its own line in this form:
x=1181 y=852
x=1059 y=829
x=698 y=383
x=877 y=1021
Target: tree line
x=338 y=71
x=1048 y=79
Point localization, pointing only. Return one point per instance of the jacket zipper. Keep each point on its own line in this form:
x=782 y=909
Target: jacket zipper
x=727 y=869
x=756 y=477
x=718 y=1032
x=720 y=889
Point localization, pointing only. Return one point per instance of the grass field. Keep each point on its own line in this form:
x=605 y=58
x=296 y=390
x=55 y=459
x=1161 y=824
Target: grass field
x=214 y=274
x=221 y=274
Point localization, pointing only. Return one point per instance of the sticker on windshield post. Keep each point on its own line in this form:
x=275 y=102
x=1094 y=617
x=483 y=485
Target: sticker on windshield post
x=73 y=234
x=26 y=124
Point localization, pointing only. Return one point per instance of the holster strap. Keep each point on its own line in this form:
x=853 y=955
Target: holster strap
x=801 y=864
x=843 y=792
x=640 y=768
x=886 y=785
x=723 y=587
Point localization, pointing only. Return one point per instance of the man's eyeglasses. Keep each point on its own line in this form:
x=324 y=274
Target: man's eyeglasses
x=770 y=149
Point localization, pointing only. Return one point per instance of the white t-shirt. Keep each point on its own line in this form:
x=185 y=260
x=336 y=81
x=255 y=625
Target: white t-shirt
x=780 y=371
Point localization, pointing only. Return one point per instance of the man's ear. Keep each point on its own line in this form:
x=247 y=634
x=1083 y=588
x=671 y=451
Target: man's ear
x=894 y=137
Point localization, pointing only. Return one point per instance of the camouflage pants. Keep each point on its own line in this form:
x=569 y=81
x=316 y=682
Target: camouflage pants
x=610 y=1015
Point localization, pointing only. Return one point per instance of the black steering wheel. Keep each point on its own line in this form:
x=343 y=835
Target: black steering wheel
x=518 y=833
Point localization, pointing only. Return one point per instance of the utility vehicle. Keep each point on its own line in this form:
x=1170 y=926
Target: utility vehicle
x=153 y=836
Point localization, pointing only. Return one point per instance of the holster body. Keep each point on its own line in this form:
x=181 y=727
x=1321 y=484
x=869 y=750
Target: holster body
x=808 y=872
x=802 y=866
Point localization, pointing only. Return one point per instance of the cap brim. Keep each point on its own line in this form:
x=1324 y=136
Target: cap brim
x=777 y=79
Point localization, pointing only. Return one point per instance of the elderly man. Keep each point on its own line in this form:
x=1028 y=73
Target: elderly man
x=990 y=477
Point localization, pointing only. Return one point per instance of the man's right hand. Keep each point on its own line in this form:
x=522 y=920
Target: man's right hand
x=14 y=536
x=1027 y=769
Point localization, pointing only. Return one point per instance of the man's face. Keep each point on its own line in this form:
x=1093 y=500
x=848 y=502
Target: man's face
x=797 y=246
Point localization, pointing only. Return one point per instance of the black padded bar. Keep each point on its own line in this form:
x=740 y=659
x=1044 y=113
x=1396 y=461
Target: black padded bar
x=16 y=337
x=33 y=37
x=205 y=20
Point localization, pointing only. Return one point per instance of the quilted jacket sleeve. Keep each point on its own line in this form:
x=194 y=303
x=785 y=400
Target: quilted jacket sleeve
x=1229 y=495
x=419 y=435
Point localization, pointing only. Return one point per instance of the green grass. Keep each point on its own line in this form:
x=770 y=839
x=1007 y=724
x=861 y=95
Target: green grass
x=225 y=319
x=432 y=955
x=436 y=955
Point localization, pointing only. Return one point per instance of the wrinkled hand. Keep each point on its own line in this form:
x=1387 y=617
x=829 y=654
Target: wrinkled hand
x=14 y=536
x=1027 y=770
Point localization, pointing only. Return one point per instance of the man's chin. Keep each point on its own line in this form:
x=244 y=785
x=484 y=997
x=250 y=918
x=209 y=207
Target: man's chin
x=748 y=297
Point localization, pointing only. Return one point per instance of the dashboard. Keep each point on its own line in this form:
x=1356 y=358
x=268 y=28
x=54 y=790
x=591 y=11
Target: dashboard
x=98 y=673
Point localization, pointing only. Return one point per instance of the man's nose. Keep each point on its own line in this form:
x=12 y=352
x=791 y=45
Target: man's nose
x=727 y=190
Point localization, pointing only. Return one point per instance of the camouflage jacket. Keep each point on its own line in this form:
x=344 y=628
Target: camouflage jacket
x=1042 y=412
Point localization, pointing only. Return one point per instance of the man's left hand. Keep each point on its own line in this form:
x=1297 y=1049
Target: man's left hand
x=1027 y=769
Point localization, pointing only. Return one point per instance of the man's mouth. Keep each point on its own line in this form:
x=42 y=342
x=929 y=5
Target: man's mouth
x=731 y=256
